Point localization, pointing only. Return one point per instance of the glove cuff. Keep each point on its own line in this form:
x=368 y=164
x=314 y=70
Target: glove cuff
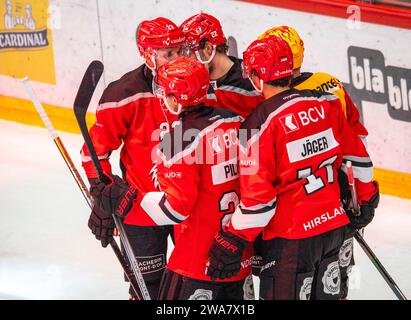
x=230 y=241
x=375 y=199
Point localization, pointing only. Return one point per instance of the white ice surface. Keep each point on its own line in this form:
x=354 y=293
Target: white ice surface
x=47 y=251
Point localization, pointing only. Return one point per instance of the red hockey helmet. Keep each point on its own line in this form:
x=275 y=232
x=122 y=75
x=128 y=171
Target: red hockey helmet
x=202 y=26
x=158 y=33
x=187 y=79
x=270 y=58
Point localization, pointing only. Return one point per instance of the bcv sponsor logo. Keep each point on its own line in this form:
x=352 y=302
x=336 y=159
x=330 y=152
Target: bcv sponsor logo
x=306 y=117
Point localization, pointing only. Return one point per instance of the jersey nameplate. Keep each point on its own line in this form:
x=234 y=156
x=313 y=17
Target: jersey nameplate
x=310 y=146
x=225 y=171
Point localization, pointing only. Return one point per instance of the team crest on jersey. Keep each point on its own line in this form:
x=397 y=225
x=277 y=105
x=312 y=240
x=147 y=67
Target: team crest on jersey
x=345 y=253
x=201 y=294
x=289 y=123
x=305 y=291
x=331 y=278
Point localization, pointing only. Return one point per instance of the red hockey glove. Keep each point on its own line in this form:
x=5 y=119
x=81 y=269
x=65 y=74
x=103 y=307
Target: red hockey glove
x=115 y=197
x=225 y=256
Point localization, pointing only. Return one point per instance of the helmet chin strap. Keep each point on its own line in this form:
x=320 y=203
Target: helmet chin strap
x=153 y=60
x=179 y=107
x=255 y=87
x=209 y=59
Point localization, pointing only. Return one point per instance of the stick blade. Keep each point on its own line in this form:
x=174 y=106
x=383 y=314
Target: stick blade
x=232 y=47
x=87 y=87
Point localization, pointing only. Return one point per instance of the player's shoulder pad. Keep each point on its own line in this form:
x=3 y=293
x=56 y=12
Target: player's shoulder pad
x=276 y=104
x=326 y=81
x=324 y=75
x=319 y=95
x=133 y=84
x=263 y=111
x=300 y=79
x=222 y=113
x=233 y=81
x=206 y=117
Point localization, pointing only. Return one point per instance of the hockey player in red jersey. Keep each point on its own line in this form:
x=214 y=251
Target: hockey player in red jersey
x=324 y=82
x=288 y=183
x=198 y=178
x=205 y=38
x=319 y=81
x=208 y=44
x=131 y=117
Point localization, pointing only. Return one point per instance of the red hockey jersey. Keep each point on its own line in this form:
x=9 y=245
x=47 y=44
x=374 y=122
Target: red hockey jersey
x=131 y=117
x=234 y=92
x=198 y=178
x=294 y=143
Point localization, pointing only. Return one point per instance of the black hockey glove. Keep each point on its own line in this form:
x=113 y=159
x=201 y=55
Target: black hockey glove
x=366 y=214
x=114 y=196
x=345 y=194
x=225 y=256
x=102 y=225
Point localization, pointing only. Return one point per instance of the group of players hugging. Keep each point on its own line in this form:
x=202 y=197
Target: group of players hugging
x=240 y=162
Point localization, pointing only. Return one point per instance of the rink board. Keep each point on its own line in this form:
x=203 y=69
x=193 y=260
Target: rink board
x=360 y=54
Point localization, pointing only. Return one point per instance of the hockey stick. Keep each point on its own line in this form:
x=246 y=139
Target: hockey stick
x=74 y=172
x=81 y=103
x=371 y=255
x=232 y=47
x=46 y=120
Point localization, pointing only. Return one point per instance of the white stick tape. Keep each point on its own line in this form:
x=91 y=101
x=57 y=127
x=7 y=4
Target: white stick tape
x=44 y=117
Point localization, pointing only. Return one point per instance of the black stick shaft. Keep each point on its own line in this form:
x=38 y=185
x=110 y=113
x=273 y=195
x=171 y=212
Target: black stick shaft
x=371 y=255
x=377 y=264
x=92 y=151
x=81 y=103
x=137 y=281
